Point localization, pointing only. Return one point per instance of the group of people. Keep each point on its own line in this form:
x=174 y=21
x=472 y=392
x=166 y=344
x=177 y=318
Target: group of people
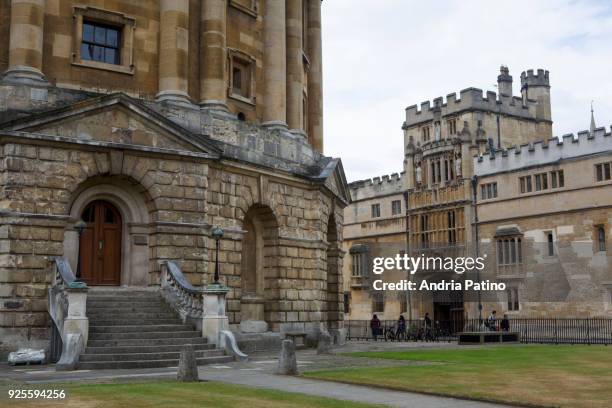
x=400 y=327
x=491 y=322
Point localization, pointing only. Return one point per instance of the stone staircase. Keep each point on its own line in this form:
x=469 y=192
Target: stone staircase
x=137 y=329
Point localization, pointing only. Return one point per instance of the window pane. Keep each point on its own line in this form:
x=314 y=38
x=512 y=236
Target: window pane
x=85 y=52
x=544 y=181
x=110 y=56
x=607 y=171
x=112 y=38
x=553 y=179
x=88 y=32
x=529 y=189
x=100 y=35
x=98 y=53
x=598 y=169
x=561 y=180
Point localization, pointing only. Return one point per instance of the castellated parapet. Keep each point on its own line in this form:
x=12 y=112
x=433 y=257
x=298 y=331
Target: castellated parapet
x=377 y=186
x=540 y=153
x=471 y=99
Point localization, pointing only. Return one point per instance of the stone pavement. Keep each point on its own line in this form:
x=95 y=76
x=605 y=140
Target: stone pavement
x=259 y=372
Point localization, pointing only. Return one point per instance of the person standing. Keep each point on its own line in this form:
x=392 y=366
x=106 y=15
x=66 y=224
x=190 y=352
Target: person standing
x=491 y=321
x=375 y=327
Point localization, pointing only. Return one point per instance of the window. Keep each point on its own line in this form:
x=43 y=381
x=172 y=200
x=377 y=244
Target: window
x=509 y=251
x=375 y=210
x=556 y=179
x=513 y=299
x=101 y=43
x=488 y=190
x=541 y=181
x=424 y=231
x=360 y=263
x=241 y=78
x=396 y=207
x=347 y=302
x=550 y=243
x=425 y=133
x=602 y=171
x=378 y=302
x=601 y=237
x=246 y=6
x=452 y=229
x=103 y=40
x=525 y=184
x=452 y=126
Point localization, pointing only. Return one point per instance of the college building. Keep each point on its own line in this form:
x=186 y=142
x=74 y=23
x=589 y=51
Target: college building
x=484 y=176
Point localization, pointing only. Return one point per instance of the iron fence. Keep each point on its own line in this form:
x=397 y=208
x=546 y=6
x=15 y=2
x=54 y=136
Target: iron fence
x=531 y=330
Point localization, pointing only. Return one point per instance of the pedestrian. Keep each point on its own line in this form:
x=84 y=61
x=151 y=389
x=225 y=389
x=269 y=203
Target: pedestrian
x=401 y=328
x=375 y=327
x=491 y=321
x=428 y=327
x=505 y=323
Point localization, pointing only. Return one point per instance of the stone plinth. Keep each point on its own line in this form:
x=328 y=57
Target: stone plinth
x=214 y=318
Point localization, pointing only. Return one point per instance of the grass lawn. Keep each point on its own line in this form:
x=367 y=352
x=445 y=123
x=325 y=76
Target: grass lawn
x=176 y=395
x=551 y=376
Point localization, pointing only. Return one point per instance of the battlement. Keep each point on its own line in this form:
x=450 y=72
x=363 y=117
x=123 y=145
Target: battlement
x=540 y=78
x=377 y=186
x=470 y=99
x=542 y=153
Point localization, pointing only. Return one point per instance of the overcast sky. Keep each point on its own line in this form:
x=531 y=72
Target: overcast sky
x=380 y=56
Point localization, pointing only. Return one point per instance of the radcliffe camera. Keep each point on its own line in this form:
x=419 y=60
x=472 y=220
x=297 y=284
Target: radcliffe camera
x=305 y=203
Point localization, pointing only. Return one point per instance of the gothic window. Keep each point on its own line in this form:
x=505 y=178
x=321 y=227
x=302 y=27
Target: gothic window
x=556 y=179
x=602 y=171
x=359 y=261
x=396 y=207
x=452 y=126
x=601 y=237
x=403 y=298
x=375 y=210
x=347 y=302
x=550 y=243
x=513 y=299
x=525 y=184
x=509 y=251
x=452 y=228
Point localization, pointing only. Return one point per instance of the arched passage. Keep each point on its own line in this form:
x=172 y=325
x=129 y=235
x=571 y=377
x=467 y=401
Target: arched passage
x=258 y=269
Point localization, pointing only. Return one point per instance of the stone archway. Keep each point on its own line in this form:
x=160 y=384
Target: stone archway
x=134 y=212
x=258 y=268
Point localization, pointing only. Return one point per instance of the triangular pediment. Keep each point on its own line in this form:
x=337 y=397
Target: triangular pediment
x=335 y=180
x=114 y=118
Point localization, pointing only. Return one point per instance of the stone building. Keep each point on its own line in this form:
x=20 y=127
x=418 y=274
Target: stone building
x=545 y=219
x=440 y=140
x=153 y=122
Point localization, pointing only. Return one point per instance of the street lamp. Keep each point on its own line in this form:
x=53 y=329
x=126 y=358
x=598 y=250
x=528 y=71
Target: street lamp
x=79 y=227
x=217 y=234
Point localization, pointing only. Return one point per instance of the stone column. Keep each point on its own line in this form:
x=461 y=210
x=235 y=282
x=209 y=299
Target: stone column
x=275 y=65
x=173 y=50
x=315 y=76
x=26 y=42
x=295 y=67
x=213 y=64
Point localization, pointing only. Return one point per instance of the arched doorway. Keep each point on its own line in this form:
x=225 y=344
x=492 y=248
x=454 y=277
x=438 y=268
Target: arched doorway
x=100 y=244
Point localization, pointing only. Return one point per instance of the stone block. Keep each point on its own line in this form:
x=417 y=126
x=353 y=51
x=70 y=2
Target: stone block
x=287 y=361
x=188 y=366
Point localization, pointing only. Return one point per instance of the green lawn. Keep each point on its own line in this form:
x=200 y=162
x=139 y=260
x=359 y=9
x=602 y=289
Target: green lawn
x=178 y=395
x=551 y=376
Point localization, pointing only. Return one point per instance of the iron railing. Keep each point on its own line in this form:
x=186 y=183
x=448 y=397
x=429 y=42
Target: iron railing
x=531 y=330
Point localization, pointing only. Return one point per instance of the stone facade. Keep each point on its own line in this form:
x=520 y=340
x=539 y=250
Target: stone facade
x=175 y=151
x=438 y=218
x=565 y=267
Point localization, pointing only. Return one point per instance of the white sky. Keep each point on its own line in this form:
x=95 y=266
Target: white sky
x=380 y=56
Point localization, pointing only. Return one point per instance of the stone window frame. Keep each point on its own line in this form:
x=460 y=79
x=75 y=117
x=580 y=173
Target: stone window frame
x=375 y=210
x=603 y=172
x=236 y=56
x=513 y=299
x=396 y=207
x=378 y=299
x=252 y=11
x=127 y=26
x=598 y=231
x=557 y=179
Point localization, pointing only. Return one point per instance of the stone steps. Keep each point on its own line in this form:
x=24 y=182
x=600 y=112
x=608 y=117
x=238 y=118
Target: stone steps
x=137 y=329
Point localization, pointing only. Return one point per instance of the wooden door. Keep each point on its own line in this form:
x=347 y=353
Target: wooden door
x=101 y=244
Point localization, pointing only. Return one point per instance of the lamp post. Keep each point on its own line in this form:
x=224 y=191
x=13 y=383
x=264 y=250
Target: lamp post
x=79 y=227
x=217 y=234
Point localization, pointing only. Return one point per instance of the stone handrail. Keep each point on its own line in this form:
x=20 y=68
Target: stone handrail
x=67 y=308
x=185 y=298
